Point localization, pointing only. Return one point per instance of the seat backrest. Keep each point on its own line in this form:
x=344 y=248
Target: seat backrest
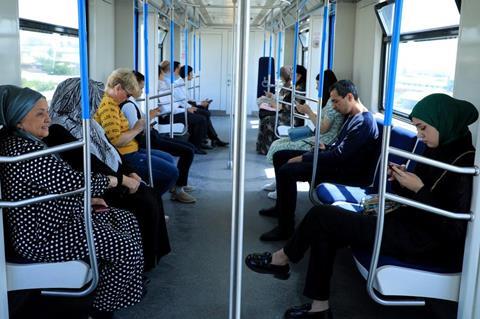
x=400 y=138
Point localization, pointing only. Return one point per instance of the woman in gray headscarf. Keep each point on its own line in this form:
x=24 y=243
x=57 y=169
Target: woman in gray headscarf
x=131 y=194
x=53 y=231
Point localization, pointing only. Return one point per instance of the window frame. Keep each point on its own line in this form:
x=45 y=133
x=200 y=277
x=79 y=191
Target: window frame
x=443 y=33
x=36 y=26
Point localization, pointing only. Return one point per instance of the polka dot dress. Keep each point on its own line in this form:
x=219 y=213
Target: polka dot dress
x=53 y=231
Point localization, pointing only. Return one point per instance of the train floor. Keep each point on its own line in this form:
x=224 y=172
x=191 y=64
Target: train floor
x=193 y=280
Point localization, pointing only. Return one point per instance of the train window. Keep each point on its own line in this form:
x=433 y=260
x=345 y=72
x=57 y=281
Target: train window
x=304 y=39
x=49 y=51
x=427 y=51
x=162 y=34
x=47 y=12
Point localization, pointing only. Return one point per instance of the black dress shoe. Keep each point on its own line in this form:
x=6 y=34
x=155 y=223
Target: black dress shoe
x=303 y=311
x=269 y=212
x=262 y=263
x=199 y=151
x=219 y=142
x=276 y=234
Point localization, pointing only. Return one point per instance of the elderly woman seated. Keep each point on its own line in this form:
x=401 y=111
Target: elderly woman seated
x=122 y=84
x=53 y=231
x=131 y=193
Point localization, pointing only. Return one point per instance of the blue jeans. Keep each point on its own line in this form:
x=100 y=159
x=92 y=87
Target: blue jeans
x=164 y=168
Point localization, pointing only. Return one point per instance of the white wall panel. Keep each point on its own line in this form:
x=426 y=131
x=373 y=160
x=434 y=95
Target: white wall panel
x=9 y=43
x=344 y=40
x=367 y=53
x=124 y=34
x=102 y=41
x=467 y=72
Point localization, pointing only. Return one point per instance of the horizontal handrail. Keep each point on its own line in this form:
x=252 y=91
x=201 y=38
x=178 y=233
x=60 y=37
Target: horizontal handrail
x=161 y=93
x=421 y=159
x=299 y=115
x=194 y=87
x=302 y=97
x=153 y=97
x=39 y=199
x=428 y=208
x=48 y=151
x=166 y=103
x=286 y=88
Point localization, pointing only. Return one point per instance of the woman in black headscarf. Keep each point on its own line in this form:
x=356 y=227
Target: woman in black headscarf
x=409 y=234
x=132 y=193
x=53 y=231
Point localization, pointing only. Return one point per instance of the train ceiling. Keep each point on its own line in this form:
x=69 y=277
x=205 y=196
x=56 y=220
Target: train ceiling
x=271 y=14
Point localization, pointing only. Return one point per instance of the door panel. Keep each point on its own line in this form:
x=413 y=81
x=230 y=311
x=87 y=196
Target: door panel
x=212 y=73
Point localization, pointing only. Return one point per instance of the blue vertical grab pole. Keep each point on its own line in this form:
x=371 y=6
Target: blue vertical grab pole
x=294 y=71
x=172 y=59
x=199 y=64
x=186 y=57
x=331 y=50
x=84 y=89
x=264 y=42
x=270 y=63
x=320 y=96
x=147 y=91
x=194 y=65
x=279 y=52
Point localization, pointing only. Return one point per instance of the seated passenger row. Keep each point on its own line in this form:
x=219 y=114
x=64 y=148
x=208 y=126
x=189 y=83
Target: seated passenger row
x=199 y=118
x=409 y=234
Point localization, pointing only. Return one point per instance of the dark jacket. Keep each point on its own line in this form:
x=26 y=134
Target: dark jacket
x=441 y=237
x=353 y=156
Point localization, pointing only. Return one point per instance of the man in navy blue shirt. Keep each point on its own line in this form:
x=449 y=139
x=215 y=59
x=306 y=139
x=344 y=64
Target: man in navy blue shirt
x=350 y=159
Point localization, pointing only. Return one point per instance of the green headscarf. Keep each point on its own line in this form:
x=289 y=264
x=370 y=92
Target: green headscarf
x=451 y=117
x=15 y=103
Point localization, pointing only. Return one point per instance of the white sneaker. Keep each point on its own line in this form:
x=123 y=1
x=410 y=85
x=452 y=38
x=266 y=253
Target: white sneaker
x=270 y=187
x=272 y=195
x=183 y=197
x=188 y=188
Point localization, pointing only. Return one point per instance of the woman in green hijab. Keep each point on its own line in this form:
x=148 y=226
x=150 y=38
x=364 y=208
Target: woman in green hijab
x=53 y=231
x=410 y=235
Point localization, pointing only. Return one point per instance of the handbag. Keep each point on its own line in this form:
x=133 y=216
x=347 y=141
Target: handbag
x=299 y=133
x=370 y=204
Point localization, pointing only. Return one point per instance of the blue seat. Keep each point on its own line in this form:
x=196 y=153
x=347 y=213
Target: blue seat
x=396 y=277
x=401 y=138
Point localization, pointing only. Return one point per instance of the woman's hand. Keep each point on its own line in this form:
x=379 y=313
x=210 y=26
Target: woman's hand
x=113 y=181
x=154 y=112
x=131 y=183
x=296 y=159
x=303 y=108
x=135 y=177
x=406 y=179
x=269 y=94
x=98 y=201
x=390 y=170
